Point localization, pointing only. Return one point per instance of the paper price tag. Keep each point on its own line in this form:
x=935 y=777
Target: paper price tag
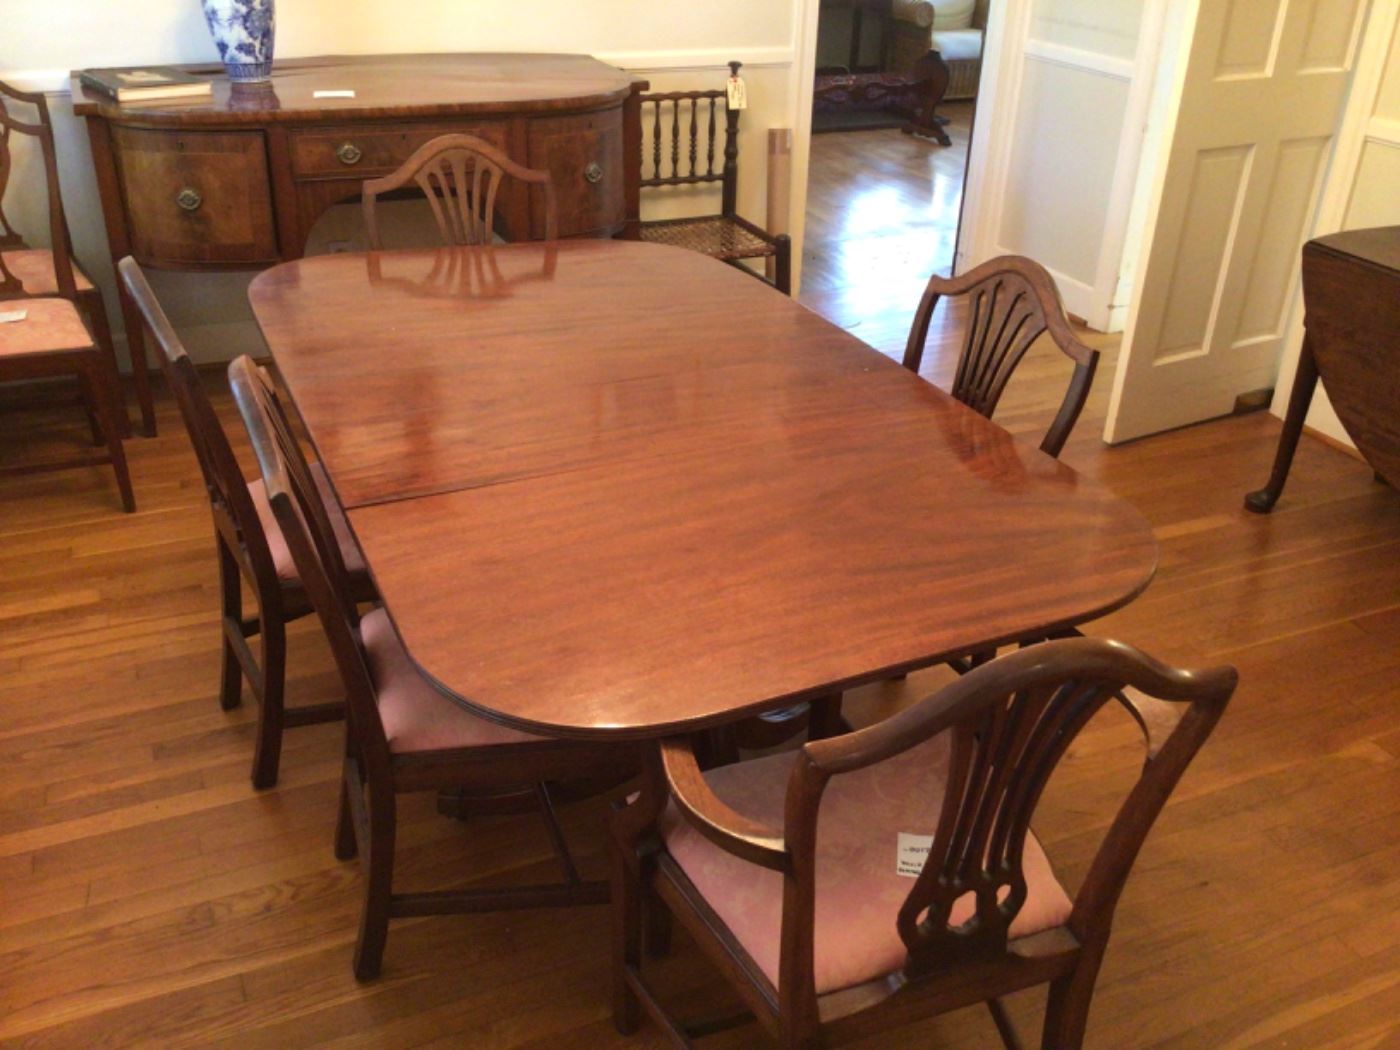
x=339 y=93
x=910 y=854
x=738 y=96
x=11 y=316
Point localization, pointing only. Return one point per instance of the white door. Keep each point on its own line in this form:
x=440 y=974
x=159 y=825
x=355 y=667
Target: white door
x=1261 y=90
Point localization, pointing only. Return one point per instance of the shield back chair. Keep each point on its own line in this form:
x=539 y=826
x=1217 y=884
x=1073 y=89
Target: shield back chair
x=684 y=129
x=33 y=272
x=783 y=868
x=249 y=547
x=1012 y=302
x=47 y=337
x=461 y=177
x=402 y=734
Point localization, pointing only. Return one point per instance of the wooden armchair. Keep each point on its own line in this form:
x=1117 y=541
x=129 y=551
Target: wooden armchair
x=403 y=734
x=460 y=175
x=684 y=129
x=784 y=869
x=1012 y=302
x=47 y=338
x=249 y=546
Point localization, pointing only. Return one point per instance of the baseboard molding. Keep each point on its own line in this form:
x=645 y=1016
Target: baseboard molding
x=1331 y=442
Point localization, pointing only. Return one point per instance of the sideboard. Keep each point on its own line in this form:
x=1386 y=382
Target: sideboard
x=236 y=180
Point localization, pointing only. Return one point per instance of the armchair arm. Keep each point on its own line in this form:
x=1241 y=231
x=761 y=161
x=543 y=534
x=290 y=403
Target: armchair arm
x=722 y=825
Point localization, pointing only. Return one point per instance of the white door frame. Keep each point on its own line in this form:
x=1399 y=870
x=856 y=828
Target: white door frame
x=1005 y=51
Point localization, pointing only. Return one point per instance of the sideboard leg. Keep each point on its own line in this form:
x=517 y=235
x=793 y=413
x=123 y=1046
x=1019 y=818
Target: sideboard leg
x=1262 y=500
x=136 y=350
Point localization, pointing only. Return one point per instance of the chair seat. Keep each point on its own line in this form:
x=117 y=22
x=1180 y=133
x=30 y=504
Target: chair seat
x=277 y=543
x=34 y=269
x=859 y=892
x=416 y=716
x=715 y=235
x=52 y=325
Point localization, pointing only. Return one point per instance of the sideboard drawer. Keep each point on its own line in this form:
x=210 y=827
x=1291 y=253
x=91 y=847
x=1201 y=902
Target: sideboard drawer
x=196 y=197
x=583 y=155
x=367 y=150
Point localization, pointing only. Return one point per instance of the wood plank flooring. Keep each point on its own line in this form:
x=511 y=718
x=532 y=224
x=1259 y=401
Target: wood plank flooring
x=148 y=896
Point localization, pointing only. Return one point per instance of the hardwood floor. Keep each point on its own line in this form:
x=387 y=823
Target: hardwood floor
x=882 y=214
x=149 y=896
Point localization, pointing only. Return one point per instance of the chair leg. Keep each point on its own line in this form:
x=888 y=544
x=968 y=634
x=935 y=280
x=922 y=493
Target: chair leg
x=782 y=265
x=656 y=929
x=627 y=939
x=379 y=877
x=96 y=311
x=1005 y=1028
x=267 y=751
x=103 y=401
x=1067 y=1009
x=231 y=603
x=556 y=833
x=346 y=846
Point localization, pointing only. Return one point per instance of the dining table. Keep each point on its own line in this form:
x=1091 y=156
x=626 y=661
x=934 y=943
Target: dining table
x=610 y=489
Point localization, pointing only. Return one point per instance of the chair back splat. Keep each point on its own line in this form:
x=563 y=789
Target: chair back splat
x=461 y=176
x=1012 y=301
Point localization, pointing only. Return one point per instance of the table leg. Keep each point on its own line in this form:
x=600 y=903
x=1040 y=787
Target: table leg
x=1261 y=501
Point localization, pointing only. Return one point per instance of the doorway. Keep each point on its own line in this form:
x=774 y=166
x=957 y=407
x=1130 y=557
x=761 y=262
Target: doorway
x=883 y=199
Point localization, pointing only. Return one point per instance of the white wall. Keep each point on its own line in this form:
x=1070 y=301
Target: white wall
x=1073 y=79
x=1363 y=187
x=674 y=46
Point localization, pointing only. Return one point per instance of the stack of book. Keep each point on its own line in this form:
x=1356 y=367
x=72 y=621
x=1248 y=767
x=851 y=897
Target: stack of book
x=144 y=84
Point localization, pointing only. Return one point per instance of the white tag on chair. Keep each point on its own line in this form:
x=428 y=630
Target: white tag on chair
x=11 y=316
x=738 y=95
x=337 y=93
x=911 y=853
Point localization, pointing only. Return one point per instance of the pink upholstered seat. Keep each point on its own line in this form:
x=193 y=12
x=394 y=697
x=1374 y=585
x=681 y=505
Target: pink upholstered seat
x=859 y=891
x=416 y=716
x=51 y=325
x=277 y=544
x=33 y=268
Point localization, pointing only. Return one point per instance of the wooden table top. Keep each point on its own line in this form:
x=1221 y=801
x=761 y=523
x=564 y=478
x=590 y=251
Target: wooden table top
x=622 y=488
x=393 y=85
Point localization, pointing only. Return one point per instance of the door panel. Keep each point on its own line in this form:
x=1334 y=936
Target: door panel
x=1260 y=98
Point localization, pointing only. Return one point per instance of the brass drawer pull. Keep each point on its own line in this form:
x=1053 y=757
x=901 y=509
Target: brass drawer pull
x=593 y=173
x=189 y=199
x=348 y=153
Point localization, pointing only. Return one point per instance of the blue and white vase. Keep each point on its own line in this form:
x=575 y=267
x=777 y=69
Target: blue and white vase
x=243 y=31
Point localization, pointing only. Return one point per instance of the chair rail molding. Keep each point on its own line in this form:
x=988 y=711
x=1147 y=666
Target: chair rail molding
x=671 y=61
